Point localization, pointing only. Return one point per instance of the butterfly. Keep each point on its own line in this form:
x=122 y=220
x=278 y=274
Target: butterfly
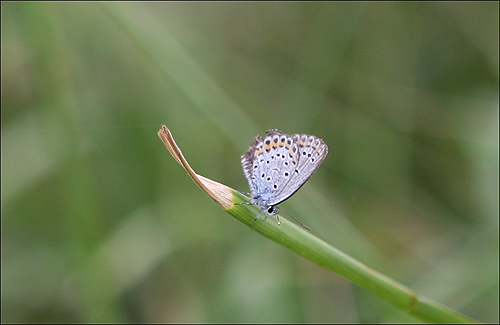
x=277 y=166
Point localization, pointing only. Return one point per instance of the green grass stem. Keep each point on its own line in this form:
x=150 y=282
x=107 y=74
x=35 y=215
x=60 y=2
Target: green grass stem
x=306 y=244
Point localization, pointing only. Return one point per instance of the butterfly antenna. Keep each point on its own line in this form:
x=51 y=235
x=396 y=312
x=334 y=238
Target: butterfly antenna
x=300 y=223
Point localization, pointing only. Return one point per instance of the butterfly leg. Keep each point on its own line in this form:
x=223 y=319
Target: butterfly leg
x=258 y=216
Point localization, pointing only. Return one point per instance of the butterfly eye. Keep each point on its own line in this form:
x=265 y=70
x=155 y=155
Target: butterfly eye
x=271 y=210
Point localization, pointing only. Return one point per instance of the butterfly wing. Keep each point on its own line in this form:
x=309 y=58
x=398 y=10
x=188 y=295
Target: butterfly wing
x=278 y=165
x=306 y=154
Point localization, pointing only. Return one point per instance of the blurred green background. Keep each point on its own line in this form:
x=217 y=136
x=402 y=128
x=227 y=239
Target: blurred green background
x=100 y=224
